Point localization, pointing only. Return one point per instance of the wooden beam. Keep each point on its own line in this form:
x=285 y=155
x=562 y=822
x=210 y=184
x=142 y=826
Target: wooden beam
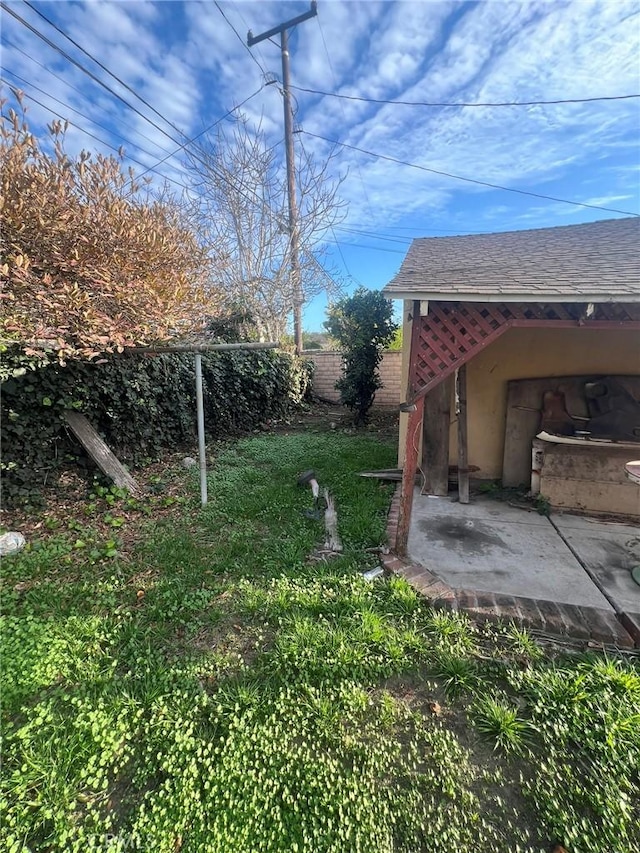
x=575 y=324
x=435 y=439
x=104 y=458
x=463 y=455
x=409 y=475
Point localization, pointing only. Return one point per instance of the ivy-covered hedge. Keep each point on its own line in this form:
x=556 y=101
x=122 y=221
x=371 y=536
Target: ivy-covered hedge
x=140 y=404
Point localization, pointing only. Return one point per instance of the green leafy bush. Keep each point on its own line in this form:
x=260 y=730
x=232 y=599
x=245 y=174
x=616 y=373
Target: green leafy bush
x=140 y=404
x=363 y=326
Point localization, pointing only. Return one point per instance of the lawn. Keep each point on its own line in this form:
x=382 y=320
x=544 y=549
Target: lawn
x=187 y=679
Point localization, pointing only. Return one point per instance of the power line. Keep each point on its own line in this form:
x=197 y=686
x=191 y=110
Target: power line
x=344 y=263
x=374 y=236
x=239 y=37
x=467 y=180
x=152 y=168
x=86 y=71
x=78 y=112
x=99 y=64
x=90 y=74
x=245 y=22
x=373 y=248
x=71 y=86
x=93 y=135
x=399 y=238
x=461 y=229
x=206 y=130
x=464 y=103
x=344 y=115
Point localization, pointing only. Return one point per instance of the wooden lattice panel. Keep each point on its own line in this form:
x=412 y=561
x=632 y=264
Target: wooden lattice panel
x=453 y=332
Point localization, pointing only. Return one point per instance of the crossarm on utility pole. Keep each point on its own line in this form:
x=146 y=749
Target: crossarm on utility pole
x=313 y=11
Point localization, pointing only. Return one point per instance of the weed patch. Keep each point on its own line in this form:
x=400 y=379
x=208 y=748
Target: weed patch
x=206 y=689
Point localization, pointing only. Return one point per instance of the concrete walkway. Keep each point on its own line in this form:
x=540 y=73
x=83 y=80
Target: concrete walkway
x=564 y=574
x=491 y=546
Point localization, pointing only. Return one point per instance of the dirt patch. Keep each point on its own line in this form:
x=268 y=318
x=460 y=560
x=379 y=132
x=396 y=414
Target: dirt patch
x=322 y=417
x=87 y=509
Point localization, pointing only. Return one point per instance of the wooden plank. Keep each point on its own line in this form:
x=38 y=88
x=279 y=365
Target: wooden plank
x=435 y=439
x=575 y=324
x=524 y=404
x=104 y=458
x=463 y=454
x=393 y=475
x=409 y=475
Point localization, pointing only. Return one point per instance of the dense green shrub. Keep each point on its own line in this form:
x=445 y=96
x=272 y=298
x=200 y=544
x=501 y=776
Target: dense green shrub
x=140 y=404
x=363 y=326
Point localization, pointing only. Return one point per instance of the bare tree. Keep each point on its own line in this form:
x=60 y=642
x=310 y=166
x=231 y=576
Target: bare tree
x=241 y=209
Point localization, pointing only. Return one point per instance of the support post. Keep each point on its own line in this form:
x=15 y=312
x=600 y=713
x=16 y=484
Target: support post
x=412 y=436
x=435 y=439
x=409 y=475
x=201 y=445
x=294 y=235
x=463 y=455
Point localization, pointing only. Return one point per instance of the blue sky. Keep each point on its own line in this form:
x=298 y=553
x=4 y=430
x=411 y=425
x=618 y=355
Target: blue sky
x=186 y=61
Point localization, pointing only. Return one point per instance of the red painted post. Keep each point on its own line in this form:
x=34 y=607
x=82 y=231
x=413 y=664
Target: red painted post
x=414 y=429
x=412 y=436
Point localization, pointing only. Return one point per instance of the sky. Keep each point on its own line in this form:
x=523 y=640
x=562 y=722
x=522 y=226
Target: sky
x=185 y=60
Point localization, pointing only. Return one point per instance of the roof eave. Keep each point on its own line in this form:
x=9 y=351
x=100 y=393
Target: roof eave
x=435 y=296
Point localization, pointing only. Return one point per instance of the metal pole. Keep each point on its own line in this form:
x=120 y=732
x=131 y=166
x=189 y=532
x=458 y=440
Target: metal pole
x=291 y=193
x=201 y=445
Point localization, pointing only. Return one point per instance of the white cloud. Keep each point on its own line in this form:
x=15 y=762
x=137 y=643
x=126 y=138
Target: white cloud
x=184 y=59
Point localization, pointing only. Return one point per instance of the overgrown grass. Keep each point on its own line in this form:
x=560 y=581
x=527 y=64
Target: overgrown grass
x=214 y=690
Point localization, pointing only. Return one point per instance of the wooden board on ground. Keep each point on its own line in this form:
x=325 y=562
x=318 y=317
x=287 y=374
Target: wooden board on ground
x=391 y=474
x=95 y=446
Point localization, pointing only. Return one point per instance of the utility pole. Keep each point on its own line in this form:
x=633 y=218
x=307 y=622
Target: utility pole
x=294 y=241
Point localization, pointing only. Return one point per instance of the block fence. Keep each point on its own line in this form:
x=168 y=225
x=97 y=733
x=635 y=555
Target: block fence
x=328 y=369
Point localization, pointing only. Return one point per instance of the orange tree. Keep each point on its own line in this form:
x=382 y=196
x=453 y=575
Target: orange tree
x=90 y=265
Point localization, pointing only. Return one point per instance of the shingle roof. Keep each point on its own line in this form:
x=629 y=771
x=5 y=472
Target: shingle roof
x=595 y=262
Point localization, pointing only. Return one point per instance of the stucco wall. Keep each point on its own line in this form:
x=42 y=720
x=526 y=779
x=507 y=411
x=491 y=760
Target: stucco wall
x=528 y=354
x=328 y=369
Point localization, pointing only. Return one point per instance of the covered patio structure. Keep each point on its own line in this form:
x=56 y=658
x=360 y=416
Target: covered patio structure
x=503 y=331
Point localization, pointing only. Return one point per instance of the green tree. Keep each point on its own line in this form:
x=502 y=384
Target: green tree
x=396 y=341
x=363 y=325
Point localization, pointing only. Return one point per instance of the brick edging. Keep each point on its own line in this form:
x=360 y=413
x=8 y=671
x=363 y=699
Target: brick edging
x=586 y=624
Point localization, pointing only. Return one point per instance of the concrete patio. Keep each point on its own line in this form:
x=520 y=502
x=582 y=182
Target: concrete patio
x=566 y=575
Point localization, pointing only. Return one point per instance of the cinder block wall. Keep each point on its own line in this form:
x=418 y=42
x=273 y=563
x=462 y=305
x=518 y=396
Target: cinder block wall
x=328 y=369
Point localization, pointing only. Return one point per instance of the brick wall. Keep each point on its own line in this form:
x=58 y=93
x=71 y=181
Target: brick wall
x=328 y=369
